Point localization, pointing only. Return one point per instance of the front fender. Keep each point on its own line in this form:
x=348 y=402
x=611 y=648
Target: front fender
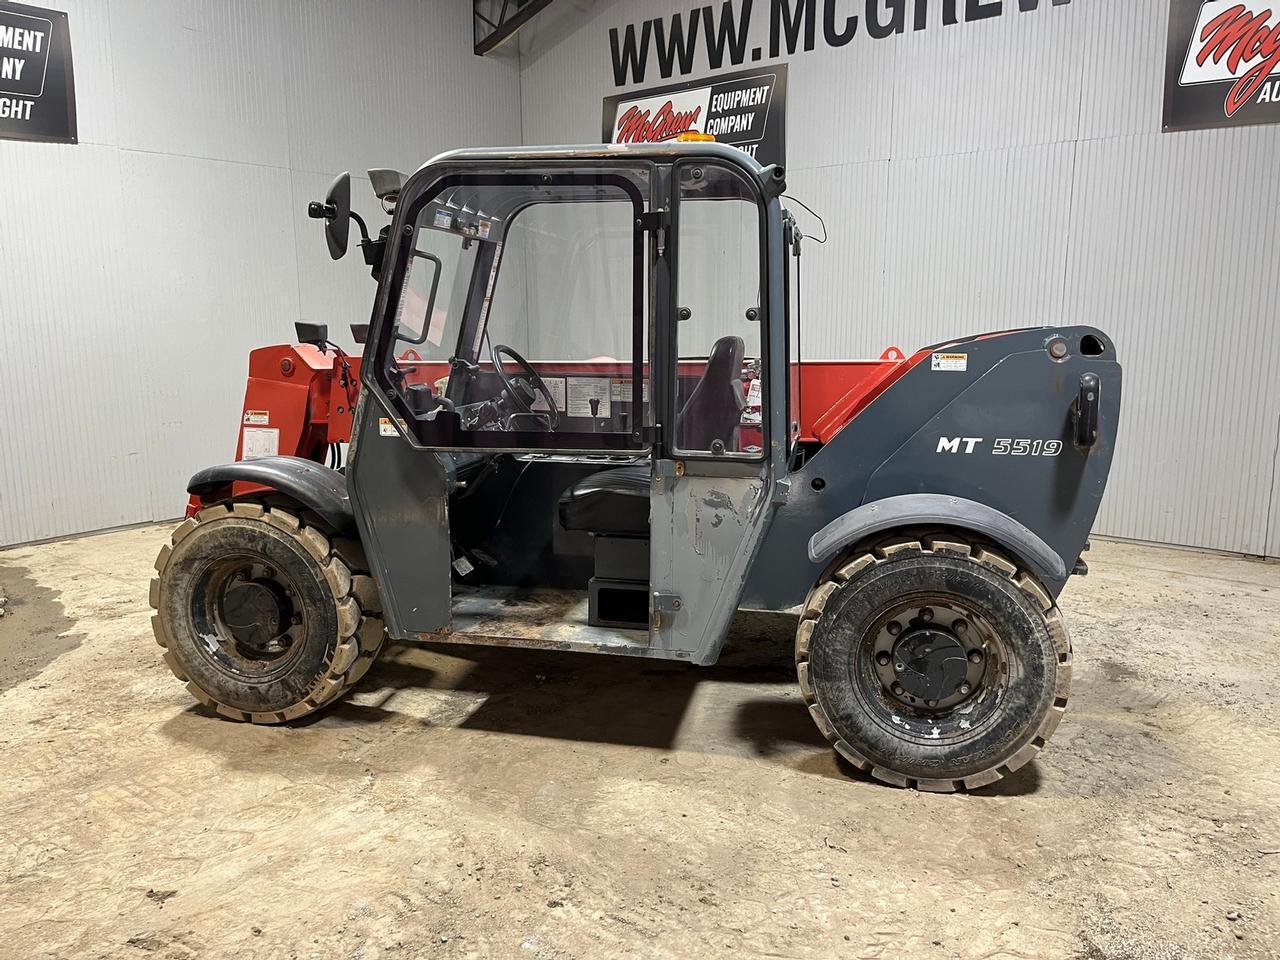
x=939 y=510
x=314 y=486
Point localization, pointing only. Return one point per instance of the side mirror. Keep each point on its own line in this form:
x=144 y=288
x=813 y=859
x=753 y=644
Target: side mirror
x=336 y=212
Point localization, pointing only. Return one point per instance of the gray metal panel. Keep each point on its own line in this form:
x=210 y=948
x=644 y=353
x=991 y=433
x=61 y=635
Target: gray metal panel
x=402 y=508
x=704 y=532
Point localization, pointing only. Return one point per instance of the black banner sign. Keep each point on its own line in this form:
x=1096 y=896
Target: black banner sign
x=747 y=110
x=37 y=88
x=1222 y=68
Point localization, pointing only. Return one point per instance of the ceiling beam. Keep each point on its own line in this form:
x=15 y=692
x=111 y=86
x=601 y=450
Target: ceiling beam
x=490 y=31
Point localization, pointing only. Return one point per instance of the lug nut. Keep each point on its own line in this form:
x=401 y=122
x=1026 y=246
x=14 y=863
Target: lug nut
x=894 y=628
x=882 y=658
x=975 y=656
x=296 y=619
x=897 y=688
x=926 y=614
x=960 y=628
x=965 y=688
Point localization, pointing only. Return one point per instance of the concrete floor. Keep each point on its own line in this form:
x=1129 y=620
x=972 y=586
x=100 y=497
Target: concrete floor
x=475 y=803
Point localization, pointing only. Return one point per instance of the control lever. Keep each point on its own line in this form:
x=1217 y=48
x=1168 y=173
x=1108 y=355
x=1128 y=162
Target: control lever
x=595 y=412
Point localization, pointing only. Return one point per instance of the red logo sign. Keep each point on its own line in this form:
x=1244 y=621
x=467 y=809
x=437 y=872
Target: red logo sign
x=635 y=125
x=1237 y=42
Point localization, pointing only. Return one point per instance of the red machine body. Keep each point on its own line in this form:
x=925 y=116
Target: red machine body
x=300 y=399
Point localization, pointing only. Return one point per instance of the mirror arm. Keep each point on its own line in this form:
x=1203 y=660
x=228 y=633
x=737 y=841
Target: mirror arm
x=364 y=231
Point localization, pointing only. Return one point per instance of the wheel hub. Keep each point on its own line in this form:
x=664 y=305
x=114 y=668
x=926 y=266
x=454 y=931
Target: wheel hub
x=930 y=664
x=930 y=656
x=256 y=612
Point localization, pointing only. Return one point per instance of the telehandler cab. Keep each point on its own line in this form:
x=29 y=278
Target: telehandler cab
x=581 y=422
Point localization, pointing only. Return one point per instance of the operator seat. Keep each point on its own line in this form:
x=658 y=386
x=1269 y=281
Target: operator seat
x=714 y=409
x=616 y=502
x=612 y=502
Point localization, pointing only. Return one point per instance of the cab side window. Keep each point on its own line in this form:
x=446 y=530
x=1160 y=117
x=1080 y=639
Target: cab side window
x=719 y=326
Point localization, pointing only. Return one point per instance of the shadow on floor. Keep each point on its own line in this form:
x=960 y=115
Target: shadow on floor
x=747 y=703
x=603 y=699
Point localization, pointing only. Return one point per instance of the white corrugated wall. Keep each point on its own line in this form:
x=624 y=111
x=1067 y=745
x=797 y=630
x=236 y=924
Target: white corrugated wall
x=139 y=267
x=1011 y=172
x=973 y=177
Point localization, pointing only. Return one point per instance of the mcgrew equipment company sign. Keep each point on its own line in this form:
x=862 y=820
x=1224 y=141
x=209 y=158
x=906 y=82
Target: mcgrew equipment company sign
x=1223 y=64
x=747 y=110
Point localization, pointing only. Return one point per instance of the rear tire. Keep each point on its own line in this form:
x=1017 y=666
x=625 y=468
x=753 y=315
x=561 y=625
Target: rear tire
x=263 y=613
x=935 y=664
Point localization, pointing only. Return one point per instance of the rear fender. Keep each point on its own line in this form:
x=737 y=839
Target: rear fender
x=314 y=486
x=933 y=511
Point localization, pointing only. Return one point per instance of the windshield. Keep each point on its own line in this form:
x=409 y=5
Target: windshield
x=521 y=311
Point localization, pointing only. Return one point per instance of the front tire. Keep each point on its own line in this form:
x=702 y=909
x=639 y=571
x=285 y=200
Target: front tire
x=263 y=613
x=935 y=663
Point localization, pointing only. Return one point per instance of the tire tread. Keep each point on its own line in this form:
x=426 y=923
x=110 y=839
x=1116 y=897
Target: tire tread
x=950 y=545
x=361 y=631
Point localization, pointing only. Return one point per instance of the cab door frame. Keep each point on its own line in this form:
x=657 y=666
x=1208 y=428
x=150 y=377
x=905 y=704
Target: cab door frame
x=397 y=480
x=709 y=514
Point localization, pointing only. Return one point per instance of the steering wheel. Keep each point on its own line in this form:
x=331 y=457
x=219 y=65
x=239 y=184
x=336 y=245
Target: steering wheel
x=527 y=373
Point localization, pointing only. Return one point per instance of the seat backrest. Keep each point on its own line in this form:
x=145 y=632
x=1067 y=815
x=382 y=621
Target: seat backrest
x=714 y=409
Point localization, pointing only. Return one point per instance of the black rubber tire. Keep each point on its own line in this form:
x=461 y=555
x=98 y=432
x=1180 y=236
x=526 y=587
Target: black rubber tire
x=344 y=631
x=841 y=611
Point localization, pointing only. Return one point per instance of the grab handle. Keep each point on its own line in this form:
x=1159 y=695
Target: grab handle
x=1085 y=410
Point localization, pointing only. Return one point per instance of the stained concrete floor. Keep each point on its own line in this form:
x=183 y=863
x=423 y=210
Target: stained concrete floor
x=477 y=803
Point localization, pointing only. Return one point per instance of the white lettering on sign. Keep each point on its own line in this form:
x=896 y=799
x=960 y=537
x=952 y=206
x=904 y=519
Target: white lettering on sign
x=11 y=68
x=16 y=38
x=13 y=109
x=952 y=444
x=737 y=99
x=735 y=123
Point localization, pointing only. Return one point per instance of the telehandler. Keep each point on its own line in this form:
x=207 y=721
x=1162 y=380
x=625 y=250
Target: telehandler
x=581 y=422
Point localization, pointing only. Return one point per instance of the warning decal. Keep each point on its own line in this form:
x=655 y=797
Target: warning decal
x=950 y=361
